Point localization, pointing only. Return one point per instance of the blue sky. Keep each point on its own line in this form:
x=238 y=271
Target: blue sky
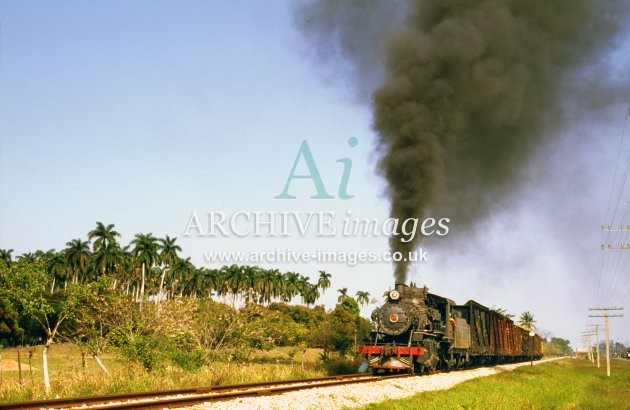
x=112 y=107
x=139 y=113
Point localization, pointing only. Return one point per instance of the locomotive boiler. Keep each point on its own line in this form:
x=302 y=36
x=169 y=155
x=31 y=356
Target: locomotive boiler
x=417 y=331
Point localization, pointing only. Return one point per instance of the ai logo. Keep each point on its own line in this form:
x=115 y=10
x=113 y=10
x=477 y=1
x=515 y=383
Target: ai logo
x=313 y=174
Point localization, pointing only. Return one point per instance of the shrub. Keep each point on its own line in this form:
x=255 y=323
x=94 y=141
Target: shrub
x=189 y=361
x=144 y=350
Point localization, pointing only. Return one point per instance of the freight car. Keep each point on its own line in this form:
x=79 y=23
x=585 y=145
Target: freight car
x=417 y=331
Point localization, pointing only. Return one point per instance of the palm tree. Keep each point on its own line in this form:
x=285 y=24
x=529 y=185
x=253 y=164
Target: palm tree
x=290 y=286
x=77 y=257
x=39 y=254
x=214 y=281
x=5 y=256
x=56 y=268
x=304 y=287
x=343 y=294
x=106 y=259
x=186 y=275
x=27 y=257
x=502 y=311
x=324 y=281
x=279 y=285
x=363 y=298
x=311 y=294
x=527 y=320
x=267 y=284
x=168 y=254
x=104 y=244
x=146 y=253
x=252 y=276
x=386 y=294
x=236 y=279
x=123 y=270
x=205 y=280
x=103 y=235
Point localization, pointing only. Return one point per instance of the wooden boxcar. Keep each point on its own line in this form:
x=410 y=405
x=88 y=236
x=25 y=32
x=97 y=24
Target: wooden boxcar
x=496 y=338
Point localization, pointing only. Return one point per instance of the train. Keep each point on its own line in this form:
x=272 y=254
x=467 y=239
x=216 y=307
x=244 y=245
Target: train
x=417 y=331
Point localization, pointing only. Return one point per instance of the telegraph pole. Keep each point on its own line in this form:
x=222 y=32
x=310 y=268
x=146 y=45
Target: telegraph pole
x=589 y=335
x=596 y=342
x=606 y=315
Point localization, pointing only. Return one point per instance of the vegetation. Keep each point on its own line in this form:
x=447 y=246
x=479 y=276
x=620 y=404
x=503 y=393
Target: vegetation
x=502 y=311
x=527 y=320
x=151 y=267
x=564 y=384
x=145 y=315
x=558 y=347
x=72 y=377
x=158 y=311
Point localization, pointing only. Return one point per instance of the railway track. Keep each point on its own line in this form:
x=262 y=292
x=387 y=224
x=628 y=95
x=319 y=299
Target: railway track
x=183 y=397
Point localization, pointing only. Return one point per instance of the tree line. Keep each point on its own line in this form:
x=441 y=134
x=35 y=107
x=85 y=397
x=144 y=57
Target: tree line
x=152 y=267
x=157 y=307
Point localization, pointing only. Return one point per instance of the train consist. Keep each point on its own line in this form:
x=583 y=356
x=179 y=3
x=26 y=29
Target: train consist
x=418 y=331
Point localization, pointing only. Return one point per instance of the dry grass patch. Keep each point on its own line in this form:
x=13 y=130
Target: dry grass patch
x=70 y=379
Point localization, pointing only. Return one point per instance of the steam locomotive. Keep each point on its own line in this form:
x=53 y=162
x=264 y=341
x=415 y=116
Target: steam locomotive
x=417 y=331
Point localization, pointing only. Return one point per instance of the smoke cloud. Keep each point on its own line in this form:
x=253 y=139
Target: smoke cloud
x=348 y=39
x=470 y=90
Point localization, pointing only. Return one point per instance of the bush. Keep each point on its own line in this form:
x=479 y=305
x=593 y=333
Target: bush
x=189 y=361
x=144 y=350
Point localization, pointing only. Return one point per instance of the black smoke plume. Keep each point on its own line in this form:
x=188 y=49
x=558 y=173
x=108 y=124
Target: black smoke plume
x=470 y=90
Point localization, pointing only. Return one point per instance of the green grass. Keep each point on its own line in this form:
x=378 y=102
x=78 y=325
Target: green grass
x=563 y=384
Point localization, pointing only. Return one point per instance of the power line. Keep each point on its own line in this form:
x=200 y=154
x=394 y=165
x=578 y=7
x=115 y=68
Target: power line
x=616 y=193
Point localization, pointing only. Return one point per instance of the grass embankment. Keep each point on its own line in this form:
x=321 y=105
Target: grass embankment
x=70 y=379
x=563 y=384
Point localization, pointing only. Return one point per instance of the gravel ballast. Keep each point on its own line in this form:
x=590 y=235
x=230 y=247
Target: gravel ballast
x=361 y=394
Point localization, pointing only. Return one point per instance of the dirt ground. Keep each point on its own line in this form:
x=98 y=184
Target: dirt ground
x=9 y=365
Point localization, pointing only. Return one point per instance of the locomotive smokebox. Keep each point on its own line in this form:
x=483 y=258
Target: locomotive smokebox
x=400 y=287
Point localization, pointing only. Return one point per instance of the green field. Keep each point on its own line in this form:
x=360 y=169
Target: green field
x=563 y=384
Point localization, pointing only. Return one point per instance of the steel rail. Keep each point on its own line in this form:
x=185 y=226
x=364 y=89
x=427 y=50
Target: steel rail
x=188 y=396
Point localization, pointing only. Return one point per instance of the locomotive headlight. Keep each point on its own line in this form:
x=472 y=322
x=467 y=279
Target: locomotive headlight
x=394 y=295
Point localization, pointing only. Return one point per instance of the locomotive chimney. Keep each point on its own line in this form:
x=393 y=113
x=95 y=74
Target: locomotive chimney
x=400 y=287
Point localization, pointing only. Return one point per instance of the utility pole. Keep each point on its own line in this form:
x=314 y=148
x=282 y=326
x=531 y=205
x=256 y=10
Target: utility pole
x=589 y=335
x=606 y=315
x=596 y=342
